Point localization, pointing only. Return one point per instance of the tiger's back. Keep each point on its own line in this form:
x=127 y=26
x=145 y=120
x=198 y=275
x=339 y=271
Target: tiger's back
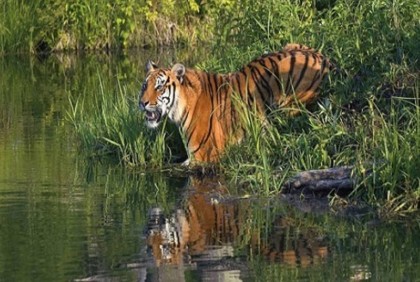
x=202 y=104
x=284 y=78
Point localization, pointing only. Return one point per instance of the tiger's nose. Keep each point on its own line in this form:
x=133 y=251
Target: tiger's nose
x=142 y=105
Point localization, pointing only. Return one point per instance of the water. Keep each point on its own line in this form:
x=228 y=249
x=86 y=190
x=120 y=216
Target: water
x=65 y=218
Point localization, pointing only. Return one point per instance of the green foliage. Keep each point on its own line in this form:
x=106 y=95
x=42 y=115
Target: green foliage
x=16 y=25
x=38 y=26
x=77 y=24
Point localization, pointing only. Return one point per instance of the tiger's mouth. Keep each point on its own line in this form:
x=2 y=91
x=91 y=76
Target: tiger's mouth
x=153 y=116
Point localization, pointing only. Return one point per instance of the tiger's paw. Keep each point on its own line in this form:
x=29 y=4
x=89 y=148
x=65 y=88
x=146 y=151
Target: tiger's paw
x=186 y=162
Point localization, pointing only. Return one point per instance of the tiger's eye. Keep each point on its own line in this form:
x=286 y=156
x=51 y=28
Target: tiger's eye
x=159 y=87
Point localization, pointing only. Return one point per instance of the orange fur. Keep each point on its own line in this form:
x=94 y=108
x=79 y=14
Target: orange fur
x=204 y=222
x=201 y=103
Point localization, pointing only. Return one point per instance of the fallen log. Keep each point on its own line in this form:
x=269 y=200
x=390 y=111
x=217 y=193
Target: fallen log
x=337 y=179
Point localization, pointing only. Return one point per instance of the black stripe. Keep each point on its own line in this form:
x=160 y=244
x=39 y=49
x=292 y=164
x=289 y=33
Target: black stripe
x=262 y=62
x=232 y=108
x=276 y=73
x=225 y=101
x=232 y=113
x=190 y=133
x=323 y=65
x=210 y=87
x=222 y=96
x=315 y=79
x=206 y=137
x=184 y=117
x=186 y=81
x=238 y=85
x=316 y=59
x=243 y=71
x=198 y=148
x=239 y=88
x=250 y=99
x=290 y=76
x=216 y=90
x=172 y=95
x=193 y=122
x=303 y=71
x=264 y=84
x=205 y=83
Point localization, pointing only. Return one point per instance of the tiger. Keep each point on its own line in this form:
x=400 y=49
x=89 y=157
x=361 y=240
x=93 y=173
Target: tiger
x=207 y=223
x=202 y=104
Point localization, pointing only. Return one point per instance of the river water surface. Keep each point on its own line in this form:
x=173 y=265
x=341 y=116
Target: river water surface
x=65 y=218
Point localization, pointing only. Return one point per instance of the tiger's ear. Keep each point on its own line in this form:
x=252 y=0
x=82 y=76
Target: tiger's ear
x=150 y=66
x=179 y=71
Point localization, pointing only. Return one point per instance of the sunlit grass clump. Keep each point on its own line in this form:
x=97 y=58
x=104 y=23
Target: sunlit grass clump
x=108 y=124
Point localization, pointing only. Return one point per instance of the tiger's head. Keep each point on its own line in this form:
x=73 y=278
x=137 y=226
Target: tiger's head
x=160 y=92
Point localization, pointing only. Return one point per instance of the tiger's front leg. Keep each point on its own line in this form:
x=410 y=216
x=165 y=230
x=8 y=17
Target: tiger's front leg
x=187 y=162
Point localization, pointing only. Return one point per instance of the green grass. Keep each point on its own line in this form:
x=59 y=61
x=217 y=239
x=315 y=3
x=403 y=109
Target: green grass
x=16 y=25
x=367 y=115
x=111 y=125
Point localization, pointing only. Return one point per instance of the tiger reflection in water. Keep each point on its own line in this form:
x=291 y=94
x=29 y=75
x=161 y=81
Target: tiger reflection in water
x=208 y=227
